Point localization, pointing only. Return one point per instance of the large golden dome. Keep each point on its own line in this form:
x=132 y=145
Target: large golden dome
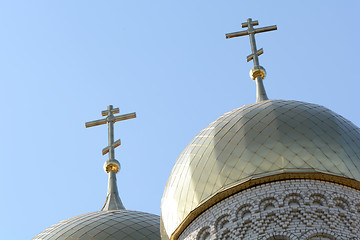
x=261 y=142
x=106 y=225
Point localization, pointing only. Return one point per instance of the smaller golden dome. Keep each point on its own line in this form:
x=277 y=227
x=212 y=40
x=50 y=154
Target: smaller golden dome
x=110 y=225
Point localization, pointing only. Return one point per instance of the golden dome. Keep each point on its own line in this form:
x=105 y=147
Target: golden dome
x=106 y=225
x=261 y=142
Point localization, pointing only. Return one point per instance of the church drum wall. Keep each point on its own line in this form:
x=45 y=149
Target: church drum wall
x=283 y=210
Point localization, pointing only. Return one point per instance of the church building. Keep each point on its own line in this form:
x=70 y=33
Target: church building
x=271 y=170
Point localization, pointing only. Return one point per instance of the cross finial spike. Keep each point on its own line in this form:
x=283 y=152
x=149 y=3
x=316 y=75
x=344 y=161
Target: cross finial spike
x=257 y=73
x=111 y=166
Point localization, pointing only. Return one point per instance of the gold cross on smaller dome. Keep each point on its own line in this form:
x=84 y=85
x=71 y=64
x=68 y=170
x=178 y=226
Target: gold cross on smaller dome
x=110 y=120
x=111 y=166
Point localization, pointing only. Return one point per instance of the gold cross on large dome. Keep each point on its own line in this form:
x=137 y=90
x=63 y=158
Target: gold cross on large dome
x=257 y=73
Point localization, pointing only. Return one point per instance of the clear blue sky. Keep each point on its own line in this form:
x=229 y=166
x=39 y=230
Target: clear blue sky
x=62 y=62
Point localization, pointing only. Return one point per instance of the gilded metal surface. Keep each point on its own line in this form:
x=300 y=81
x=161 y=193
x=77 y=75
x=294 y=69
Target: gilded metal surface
x=113 y=111
x=251 y=56
x=115 y=145
x=105 y=225
x=113 y=201
x=257 y=73
x=257 y=141
x=111 y=166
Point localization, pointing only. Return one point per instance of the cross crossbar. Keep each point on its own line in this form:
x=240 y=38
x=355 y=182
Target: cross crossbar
x=125 y=117
x=95 y=123
x=246 y=24
x=251 y=56
x=246 y=32
x=115 y=145
x=106 y=112
x=106 y=120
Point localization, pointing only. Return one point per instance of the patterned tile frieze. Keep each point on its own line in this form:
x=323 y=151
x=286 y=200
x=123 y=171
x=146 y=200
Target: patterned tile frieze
x=283 y=210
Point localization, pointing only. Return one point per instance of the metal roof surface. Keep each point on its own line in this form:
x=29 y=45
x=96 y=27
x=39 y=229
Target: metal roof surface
x=105 y=225
x=257 y=140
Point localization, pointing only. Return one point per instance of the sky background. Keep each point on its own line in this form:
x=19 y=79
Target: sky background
x=63 y=62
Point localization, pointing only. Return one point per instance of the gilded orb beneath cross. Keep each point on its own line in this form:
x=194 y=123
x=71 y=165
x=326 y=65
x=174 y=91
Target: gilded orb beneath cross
x=257 y=71
x=112 y=165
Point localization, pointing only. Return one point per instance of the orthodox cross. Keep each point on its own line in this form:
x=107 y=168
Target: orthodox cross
x=110 y=120
x=111 y=166
x=251 y=31
x=257 y=73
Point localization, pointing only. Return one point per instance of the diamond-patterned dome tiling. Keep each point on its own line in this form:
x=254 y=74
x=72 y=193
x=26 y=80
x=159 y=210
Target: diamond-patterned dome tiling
x=105 y=225
x=257 y=140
